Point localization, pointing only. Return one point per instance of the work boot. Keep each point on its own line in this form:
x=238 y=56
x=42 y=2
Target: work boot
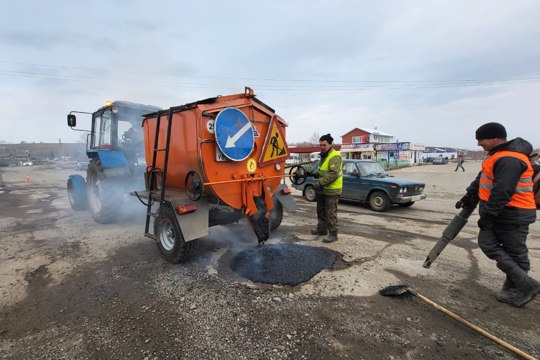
x=507 y=293
x=526 y=292
x=332 y=236
x=318 y=232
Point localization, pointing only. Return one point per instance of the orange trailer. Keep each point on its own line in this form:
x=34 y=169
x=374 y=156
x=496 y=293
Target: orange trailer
x=210 y=163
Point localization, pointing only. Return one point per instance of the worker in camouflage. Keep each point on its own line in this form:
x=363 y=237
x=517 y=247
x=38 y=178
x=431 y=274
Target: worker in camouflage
x=329 y=185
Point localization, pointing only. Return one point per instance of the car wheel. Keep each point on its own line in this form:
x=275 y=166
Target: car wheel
x=379 y=201
x=406 y=204
x=309 y=193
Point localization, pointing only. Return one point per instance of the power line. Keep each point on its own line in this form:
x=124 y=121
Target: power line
x=268 y=84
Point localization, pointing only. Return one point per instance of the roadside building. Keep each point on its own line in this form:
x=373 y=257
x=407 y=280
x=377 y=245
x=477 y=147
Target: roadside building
x=374 y=144
x=359 y=143
x=400 y=154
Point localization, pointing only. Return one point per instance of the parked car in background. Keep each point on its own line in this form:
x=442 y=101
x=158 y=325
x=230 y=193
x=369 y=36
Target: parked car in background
x=440 y=161
x=366 y=181
x=27 y=163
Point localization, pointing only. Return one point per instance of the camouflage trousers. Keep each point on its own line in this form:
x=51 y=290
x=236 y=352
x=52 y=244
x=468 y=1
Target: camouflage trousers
x=327 y=213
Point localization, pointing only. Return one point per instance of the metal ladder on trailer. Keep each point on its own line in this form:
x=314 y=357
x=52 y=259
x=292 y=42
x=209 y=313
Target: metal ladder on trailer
x=153 y=171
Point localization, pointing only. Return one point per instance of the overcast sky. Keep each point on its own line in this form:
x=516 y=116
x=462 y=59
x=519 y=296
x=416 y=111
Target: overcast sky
x=428 y=72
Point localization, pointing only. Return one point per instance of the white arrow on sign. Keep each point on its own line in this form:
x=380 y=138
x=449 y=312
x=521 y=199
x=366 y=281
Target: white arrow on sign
x=231 y=140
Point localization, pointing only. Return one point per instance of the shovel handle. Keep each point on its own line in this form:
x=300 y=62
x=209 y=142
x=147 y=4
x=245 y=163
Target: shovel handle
x=476 y=328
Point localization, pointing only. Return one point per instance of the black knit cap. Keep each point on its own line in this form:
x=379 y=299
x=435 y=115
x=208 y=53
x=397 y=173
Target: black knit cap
x=491 y=130
x=327 y=138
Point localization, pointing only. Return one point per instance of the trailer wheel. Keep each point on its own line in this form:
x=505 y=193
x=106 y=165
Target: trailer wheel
x=309 y=193
x=276 y=215
x=104 y=195
x=76 y=188
x=170 y=241
x=379 y=201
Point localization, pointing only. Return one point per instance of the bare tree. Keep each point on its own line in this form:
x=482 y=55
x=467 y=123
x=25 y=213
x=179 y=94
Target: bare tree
x=314 y=139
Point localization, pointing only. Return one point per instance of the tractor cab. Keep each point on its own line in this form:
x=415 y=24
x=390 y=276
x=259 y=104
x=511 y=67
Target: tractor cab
x=115 y=147
x=116 y=126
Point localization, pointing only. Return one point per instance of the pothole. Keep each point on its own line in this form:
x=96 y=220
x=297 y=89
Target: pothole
x=284 y=264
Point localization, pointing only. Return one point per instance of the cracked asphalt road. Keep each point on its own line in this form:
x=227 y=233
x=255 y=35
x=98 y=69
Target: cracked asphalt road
x=74 y=289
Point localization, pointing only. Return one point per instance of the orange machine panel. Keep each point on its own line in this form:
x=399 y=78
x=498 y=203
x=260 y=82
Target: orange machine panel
x=194 y=147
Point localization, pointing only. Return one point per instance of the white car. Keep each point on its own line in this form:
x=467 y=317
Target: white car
x=27 y=163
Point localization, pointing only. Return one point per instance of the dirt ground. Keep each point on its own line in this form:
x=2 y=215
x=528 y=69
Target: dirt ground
x=73 y=289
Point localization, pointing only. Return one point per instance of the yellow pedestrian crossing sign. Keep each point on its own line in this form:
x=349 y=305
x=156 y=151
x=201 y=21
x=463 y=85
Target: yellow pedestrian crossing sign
x=275 y=148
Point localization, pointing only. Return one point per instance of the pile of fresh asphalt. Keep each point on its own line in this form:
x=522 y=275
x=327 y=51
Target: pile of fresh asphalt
x=285 y=264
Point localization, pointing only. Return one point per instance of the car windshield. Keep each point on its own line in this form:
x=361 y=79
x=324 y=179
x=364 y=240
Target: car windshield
x=371 y=169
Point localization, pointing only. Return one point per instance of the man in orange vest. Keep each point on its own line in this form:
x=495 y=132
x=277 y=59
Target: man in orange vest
x=504 y=189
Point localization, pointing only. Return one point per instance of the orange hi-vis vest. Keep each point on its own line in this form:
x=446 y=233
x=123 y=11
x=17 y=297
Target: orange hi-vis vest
x=523 y=197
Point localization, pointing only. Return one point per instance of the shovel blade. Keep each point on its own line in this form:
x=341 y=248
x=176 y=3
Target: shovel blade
x=395 y=290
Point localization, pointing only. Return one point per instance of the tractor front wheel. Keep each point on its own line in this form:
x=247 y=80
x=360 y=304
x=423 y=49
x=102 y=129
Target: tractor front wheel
x=76 y=188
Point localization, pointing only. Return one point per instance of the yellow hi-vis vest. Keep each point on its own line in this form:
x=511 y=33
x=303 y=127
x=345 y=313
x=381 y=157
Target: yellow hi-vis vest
x=323 y=170
x=523 y=197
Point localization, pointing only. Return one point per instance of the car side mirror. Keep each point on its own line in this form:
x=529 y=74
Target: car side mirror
x=71 y=120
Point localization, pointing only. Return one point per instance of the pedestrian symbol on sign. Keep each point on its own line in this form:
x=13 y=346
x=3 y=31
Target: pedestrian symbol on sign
x=275 y=147
x=274 y=141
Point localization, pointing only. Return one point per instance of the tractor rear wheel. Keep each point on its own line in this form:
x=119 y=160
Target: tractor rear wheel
x=105 y=196
x=170 y=241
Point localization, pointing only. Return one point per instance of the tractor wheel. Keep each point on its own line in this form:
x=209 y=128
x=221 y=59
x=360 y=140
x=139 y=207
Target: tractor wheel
x=309 y=193
x=379 y=201
x=170 y=241
x=76 y=188
x=276 y=215
x=405 y=205
x=104 y=195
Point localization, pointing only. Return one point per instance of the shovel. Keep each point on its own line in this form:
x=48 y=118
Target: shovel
x=404 y=290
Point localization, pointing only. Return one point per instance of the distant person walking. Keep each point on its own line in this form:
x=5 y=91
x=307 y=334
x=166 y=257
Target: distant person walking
x=460 y=162
x=504 y=189
x=328 y=185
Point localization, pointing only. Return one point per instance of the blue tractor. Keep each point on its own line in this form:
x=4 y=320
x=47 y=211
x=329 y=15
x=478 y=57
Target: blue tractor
x=115 y=148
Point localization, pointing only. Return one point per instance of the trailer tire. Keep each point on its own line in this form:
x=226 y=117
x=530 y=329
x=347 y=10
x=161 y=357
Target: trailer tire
x=104 y=195
x=170 y=241
x=276 y=215
x=379 y=201
x=76 y=188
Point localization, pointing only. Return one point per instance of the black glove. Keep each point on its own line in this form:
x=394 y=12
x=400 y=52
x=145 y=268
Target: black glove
x=485 y=223
x=309 y=173
x=465 y=201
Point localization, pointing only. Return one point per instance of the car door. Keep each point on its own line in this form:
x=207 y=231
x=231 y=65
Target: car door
x=364 y=182
x=350 y=180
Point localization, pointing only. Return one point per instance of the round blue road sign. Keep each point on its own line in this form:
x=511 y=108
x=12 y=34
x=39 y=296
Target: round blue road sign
x=234 y=134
